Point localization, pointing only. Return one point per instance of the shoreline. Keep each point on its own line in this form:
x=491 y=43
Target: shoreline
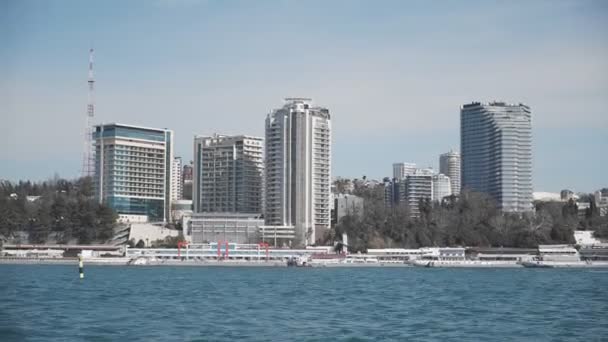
x=257 y=264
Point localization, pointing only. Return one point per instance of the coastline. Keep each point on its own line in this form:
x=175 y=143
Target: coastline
x=185 y=263
x=255 y=264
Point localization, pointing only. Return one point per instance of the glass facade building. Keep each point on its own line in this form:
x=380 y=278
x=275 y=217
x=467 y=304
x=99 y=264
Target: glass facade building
x=496 y=147
x=133 y=170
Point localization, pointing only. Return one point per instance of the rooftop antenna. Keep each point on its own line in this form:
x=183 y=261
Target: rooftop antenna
x=88 y=157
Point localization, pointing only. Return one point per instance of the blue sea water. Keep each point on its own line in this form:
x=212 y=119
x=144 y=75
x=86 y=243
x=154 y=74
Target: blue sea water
x=50 y=303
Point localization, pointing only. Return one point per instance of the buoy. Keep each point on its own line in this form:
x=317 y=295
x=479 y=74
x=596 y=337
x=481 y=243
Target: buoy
x=80 y=267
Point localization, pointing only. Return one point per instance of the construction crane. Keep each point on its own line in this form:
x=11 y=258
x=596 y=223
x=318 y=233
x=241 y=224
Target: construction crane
x=88 y=157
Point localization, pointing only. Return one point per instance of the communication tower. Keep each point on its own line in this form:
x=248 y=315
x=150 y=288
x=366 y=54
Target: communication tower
x=88 y=157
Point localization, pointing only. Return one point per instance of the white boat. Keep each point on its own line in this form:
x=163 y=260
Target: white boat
x=142 y=261
x=560 y=256
x=298 y=261
x=356 y=260
x=465 y=263
x=565 y=264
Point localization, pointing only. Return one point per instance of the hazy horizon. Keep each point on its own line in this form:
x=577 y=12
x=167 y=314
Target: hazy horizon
x=392 y=73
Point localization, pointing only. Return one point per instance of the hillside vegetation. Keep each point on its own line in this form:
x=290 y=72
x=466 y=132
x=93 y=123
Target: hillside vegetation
x=59 y=209
x=472 y=219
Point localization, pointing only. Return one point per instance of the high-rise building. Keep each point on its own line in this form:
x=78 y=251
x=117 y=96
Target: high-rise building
x=441 y=187
x=391 y=192
x=187 y=181
x=449 y=165
x=496 y=146
x=133 y=171
x=298 y=164
x=418 y=186
x=401 y=170
x=228 y=174
x=176 y=179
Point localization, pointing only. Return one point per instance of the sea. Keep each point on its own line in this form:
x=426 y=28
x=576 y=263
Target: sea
x=115 y=303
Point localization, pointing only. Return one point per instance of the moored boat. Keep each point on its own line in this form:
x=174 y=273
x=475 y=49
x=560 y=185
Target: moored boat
x=560 y=256
x=465 y=263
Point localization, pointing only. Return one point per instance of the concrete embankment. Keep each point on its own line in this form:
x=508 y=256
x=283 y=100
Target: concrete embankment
x=125 y=261
x=28 y=261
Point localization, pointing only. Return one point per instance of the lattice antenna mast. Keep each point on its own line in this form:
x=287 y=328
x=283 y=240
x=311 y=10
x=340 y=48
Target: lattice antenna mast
x=88 y=158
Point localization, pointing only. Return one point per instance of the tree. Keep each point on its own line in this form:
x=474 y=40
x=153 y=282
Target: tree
x=63 y=209
x=592 y=211
x=106 y=219
x=140 y=244
x=12 y=217
x=338 y=247
x=570 y=209
x=340 y=185
x=168 y=241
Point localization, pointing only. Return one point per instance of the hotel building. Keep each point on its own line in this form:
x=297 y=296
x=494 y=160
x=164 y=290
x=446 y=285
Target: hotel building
x=228 y=174
x=133 y=171
x=298 y=164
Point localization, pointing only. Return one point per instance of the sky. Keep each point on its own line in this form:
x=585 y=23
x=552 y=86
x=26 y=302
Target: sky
x=392 y=73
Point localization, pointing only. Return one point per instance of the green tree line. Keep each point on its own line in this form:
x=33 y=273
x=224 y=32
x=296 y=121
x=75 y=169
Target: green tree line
x=64 y=210
x=471 y=219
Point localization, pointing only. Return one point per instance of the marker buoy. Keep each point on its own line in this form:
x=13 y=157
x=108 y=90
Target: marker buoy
x=80 y=267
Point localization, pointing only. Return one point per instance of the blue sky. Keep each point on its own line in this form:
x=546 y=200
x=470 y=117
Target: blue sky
x=392 y=73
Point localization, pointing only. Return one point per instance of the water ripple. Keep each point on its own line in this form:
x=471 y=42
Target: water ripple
x=49 y=303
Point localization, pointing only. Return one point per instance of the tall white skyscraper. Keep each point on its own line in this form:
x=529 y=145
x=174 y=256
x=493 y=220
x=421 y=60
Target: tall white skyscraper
x=449 y=165
x=133 y=171
x=228 y=174
x=298 y=169
x=176 y=179
x=441 y=187
x=496 y=146
x=418 y=186
x=401 y=170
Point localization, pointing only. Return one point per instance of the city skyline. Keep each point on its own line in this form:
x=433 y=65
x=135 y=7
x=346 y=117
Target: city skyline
x=392 y=94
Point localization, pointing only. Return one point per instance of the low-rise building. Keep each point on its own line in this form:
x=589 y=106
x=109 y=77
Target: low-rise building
x=180 y=209
x=230 y=227
x=443 y=253
x=542 y=196
x=567 y=195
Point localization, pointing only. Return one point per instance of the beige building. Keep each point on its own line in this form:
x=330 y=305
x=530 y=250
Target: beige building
x=298 y=169
x=228 y=174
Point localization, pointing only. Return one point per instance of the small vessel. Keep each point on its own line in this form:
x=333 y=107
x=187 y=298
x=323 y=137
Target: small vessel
x=298 y=261
x=464 y=263
x=142 y=261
